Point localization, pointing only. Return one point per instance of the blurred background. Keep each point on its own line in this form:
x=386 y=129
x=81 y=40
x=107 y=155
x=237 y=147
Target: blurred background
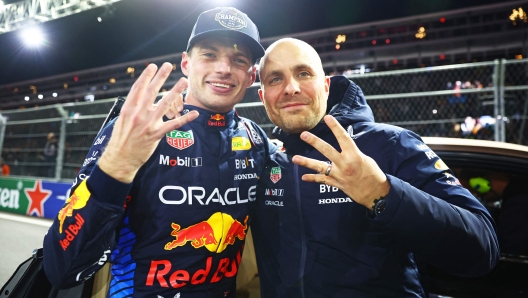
x=441 y=68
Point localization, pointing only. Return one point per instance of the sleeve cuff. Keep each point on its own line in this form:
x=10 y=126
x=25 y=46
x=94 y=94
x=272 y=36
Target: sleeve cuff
x=107 y=190
x=393 y=199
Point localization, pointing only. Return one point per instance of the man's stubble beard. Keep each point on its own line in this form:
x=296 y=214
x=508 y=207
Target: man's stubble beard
x=296 y=123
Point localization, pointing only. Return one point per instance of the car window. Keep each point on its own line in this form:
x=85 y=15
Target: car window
x=505 y=196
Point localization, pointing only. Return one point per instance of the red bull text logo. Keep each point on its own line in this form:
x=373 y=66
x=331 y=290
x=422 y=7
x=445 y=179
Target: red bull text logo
x=72 y=231
x=77 y=201
x=214 y=234
x=160 y=271
x=216 y=120
x=180 y=139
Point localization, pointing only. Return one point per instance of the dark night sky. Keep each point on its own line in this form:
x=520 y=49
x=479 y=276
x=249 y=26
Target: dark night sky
x=140 y=29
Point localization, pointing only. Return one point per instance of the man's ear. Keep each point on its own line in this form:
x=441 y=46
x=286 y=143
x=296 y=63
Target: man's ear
x=327 y=84
x=185 y=63
x=260 y=91
x=253 y=76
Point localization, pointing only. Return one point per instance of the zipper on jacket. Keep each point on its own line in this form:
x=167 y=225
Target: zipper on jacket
x=303 y=237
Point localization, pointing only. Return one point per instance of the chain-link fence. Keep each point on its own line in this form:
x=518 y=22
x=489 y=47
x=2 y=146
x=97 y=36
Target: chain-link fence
x=487 y=100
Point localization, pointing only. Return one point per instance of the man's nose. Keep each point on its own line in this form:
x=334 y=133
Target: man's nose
x=223 y=65
x=292 y=87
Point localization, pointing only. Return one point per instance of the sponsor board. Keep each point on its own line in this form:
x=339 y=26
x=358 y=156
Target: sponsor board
x=39 y=198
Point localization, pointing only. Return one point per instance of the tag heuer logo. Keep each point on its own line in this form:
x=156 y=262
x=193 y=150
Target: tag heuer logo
x=275 y=174
x=180 y=139
x=231 y=19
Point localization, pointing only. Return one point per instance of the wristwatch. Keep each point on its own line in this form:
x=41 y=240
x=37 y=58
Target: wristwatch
x=379 y=205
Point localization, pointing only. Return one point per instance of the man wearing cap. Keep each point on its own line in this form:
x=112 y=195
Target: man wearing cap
x=168 y=201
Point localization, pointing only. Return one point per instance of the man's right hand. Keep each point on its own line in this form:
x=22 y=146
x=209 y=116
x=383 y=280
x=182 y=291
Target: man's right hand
x=140 y=126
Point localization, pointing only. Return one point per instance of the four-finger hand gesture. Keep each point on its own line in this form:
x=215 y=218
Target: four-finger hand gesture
x=350 y=170
x=140 y=125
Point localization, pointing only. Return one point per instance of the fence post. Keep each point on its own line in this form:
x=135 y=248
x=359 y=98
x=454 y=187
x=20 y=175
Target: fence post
x=496 y=69
x=62 y=141
x=3 y=122
x=523 y=121
x=502 y=112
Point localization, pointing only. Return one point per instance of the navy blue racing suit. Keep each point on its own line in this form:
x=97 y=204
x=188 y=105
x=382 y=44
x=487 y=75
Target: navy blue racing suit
x=179 y=227
x=312 y=240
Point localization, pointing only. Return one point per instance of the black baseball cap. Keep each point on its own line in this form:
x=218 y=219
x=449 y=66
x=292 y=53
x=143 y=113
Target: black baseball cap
x=229 y=22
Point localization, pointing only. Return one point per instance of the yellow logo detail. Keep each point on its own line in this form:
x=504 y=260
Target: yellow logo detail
x=77 y=201
x=440 y=165
x=240 y=143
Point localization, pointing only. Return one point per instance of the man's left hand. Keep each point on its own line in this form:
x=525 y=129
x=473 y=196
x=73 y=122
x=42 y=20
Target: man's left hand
x=353 y=172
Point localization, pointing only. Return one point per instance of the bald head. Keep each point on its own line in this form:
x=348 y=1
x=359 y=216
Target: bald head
x=294 y=88
x=287 y=48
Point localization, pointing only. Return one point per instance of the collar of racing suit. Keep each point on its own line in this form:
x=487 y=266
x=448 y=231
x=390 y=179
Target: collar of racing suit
x=346 y=102
x=212 y=120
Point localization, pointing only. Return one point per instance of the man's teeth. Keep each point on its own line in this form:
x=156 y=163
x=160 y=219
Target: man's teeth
x=220 y=85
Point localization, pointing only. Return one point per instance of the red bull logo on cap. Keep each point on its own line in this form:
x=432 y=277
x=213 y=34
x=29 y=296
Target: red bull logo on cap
x=180 y=139
x=215 y=233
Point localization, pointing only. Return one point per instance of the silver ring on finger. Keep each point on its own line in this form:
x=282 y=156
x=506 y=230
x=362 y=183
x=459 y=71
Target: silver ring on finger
x=328 y=170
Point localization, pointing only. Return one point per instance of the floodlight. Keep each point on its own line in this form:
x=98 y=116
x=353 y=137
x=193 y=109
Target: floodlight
x=54 y=94
x=32 y=36
x=26 y=98
x=40 y=96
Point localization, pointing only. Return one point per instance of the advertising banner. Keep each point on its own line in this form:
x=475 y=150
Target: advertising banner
x=32 y=197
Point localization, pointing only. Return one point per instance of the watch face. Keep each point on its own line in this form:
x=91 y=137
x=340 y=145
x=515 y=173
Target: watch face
x=380 y=205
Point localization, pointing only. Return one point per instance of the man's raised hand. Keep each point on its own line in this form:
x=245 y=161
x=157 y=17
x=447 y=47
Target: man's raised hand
x=353 y=172
x=140 y=125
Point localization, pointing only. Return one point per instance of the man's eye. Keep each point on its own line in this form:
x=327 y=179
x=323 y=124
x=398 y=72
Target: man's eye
x=241 y=61
x=304 y=74
x=274 y=80
x=209 y=55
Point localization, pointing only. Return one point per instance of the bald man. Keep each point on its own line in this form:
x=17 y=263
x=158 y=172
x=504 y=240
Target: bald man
x=350 y=205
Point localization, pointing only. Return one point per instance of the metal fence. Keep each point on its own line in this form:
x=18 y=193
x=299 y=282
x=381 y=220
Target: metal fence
x=487 y=100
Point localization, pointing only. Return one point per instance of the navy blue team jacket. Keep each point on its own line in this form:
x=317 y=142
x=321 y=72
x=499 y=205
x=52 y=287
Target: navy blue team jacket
x=178 y=228
x=311 y=240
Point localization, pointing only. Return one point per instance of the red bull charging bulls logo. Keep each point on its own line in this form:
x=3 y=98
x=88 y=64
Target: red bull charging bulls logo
x=215 y=233
x=77 y=201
